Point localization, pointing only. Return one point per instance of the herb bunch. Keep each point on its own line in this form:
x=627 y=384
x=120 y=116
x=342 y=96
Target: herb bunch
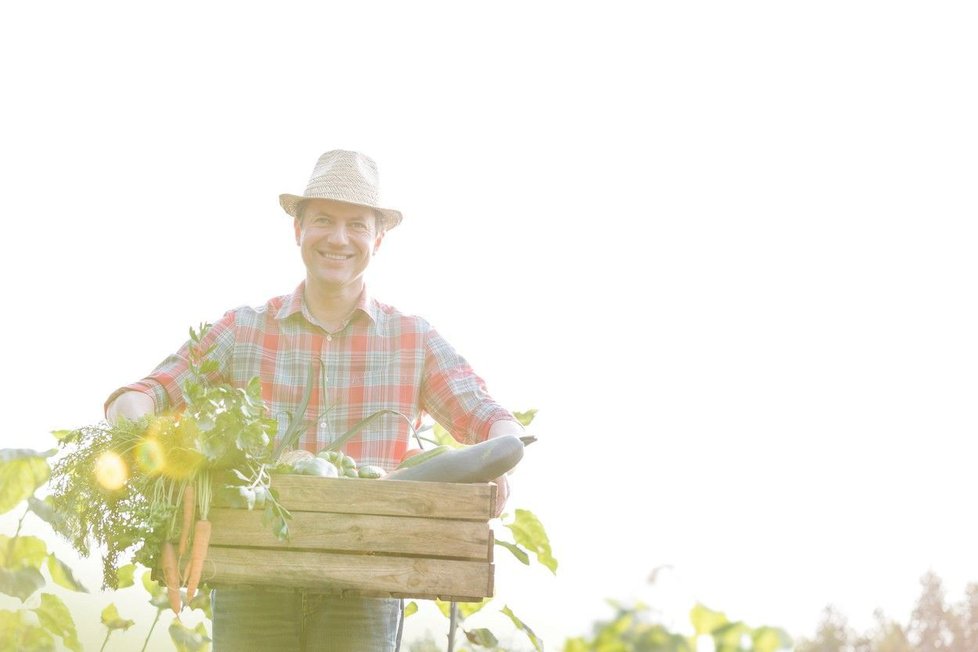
x=118 y=487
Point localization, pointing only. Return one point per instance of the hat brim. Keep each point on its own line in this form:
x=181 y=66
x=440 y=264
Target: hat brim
x=290 y=204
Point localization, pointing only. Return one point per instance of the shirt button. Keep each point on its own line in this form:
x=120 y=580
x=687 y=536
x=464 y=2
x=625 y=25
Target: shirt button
x=329 y=338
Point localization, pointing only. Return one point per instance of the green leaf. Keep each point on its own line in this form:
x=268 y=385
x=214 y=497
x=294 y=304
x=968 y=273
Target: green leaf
x=189 y=640
x=66 y=436
x=518 y=552
x=44 y=509
x=730 y=636
x=209 y=367
x=112 y=620
x=54 y=615
x=22 y=552
x=410 y=608
x=525 y=418
x=202 y=601
x=20 y=583
x=520 y=625
x=482 y=637
x=770 y=639
x=62 y=575
x=157 y=594
x=444 y=607
x=706 y=620
x=529 y=533
x=466 y=609
x=18 y=634
x=152 y=586
x=442 y=437
x=124 y=576
x=22 y=471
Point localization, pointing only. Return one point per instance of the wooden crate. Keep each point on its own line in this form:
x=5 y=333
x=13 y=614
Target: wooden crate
x=358 y=537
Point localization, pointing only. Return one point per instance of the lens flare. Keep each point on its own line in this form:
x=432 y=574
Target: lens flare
x=111 y=471
x=150 y=457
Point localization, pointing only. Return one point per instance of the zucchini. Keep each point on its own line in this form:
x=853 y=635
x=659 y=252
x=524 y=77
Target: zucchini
x=483 y=462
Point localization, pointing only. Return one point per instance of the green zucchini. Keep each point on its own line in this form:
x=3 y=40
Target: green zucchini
x=483 y=462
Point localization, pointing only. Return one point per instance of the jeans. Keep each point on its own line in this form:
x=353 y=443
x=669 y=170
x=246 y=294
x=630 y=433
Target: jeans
x=251 y=618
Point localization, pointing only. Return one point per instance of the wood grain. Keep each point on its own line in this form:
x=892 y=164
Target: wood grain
x=359 y=533
x=386 y=497
x=365 y=575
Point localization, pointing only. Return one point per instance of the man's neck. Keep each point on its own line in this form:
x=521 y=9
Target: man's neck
x=332 y=307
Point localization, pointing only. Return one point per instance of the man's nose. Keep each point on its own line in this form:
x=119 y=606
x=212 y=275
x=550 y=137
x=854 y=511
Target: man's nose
x=338 y=234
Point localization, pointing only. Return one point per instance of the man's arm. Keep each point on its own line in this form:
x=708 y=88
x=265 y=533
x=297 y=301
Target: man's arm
x=130 y=405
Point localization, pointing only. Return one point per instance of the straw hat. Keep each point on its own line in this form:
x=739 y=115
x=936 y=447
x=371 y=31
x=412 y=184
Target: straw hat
x=348 y=177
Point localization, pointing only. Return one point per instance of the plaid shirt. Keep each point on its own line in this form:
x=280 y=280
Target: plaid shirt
x=382 y=359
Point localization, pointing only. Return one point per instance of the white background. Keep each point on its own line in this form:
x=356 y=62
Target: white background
x=726 y=249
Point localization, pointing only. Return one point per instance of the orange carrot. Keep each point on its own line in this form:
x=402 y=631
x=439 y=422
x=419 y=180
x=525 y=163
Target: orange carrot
x=168 y=560
x=188 y=519
x=198 y=552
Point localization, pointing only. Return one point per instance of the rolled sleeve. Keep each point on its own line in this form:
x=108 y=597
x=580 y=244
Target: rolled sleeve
x=455 y=396
x=165 y=383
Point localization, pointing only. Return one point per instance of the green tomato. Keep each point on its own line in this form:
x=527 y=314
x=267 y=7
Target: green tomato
x=371 y=471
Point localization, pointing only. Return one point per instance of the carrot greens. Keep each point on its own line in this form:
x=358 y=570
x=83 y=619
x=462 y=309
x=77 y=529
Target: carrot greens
x=139 y=490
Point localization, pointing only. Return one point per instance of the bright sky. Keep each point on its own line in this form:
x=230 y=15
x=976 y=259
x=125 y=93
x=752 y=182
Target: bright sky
x=727 y=249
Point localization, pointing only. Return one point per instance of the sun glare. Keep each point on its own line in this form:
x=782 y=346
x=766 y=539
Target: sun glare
x=111 y=471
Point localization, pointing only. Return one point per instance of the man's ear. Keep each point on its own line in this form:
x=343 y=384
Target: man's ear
x=297 y=223
x=378 y=240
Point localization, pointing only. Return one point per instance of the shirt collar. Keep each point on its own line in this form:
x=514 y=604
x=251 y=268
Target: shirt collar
x=296 y=303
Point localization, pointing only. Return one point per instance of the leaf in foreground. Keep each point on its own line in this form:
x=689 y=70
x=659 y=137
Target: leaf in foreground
x=18 y=634
x=54 y=615
x=520 y=625
x=20 y=583
x=62 y=575
x=465 y=609
x=112 y=620
x=518 y=552
x=124 y=576
x=189 y=640
x=771 y=639
x=22 y=552
x=529 y=532
x=482 y=637
x=22 y=471
x=706 y=620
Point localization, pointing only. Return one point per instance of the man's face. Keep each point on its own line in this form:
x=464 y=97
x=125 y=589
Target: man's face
x=337 y=242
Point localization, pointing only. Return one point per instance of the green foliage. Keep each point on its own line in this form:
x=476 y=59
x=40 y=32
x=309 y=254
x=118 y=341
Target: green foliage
x=120 y=486
x=529 y=533
x=23 y=557
x=633 y=629
x=21 y=473
x=112 y=620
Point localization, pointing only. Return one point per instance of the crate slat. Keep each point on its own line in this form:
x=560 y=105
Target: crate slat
x=359 y=533
x=386 y=497
x=346 y=574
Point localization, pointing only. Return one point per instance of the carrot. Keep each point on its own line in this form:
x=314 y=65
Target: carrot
x=198 y=552
x=188 y=519
x=168 y=560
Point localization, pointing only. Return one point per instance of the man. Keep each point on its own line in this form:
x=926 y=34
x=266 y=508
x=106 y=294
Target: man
x=365 y=356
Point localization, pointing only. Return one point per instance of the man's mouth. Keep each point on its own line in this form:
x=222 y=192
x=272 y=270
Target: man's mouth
x=334 y=256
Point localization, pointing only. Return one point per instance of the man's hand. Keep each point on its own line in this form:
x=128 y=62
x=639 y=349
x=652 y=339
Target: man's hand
x=502 y=429
x=130 y=405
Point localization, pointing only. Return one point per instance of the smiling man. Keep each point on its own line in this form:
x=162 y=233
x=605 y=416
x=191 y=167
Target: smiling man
x=365 y=356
